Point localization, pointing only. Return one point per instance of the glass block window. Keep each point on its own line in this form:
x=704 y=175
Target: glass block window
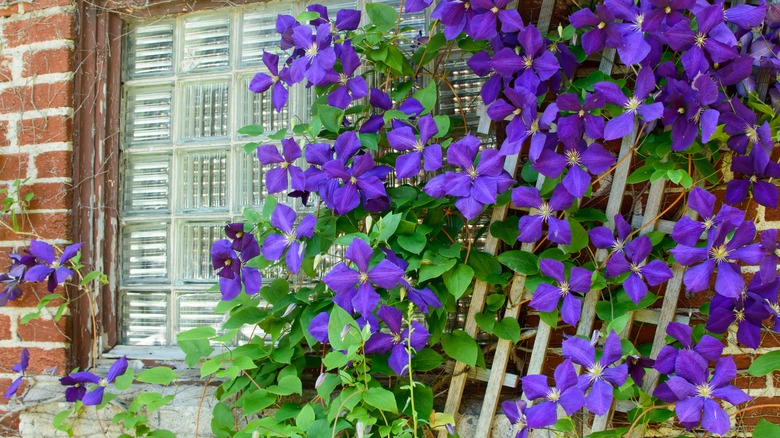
x=184 y=172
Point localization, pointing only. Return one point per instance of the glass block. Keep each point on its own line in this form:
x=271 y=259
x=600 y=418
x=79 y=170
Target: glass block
x=148 y=115
x=144 y=318
x=197 y=310
x=204 y=179
x=258 y=32
x=205 y=109
x=467 y=86
x=150 y=50
x=194 y=241
x=206 y=43
x=257 y=109
x=250 y=182
x=145 y=253
x=146 y=183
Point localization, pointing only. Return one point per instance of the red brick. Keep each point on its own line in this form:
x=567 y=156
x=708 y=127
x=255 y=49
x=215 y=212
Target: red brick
x=48 y=196
x=44 y=130
x=47 y=61
x=13 y=166
x=40 y=96
x=56 y=164
x=45 y=4
x=39 y=29
x=11 y=421
x=771 y=413
x=5 y=68
x=45 y=225
x=5 y=327
x=4 y=134
x=9 y=11
x=40 y=359
x=31 y=293
x=39 y=330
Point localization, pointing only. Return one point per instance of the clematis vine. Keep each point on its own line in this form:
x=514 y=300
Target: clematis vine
x=398 y=341
x=274 y=245
x=287 y=173
x=547 y=296
x=403 y=139
x=634 y=106
x=49 y=267
x=77 y=383
x=277 y=79
x=598 y=375
x=641 y=274
x=566 y=393
x=542 y=212
x=231 y=268
x=581 y=160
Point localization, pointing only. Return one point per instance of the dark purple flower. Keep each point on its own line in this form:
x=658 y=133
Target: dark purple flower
x=346 y=19
x=653 y=273
x=521 y=105
x=284 y=26
x=12 y=280
x=473 y=185
x=740 y=125
x=263 y=81
x=581 y=160
x=542 y=212
x=13 y=388
x=757 y=167
x=687 y=109
x=708 y=347
x=48 y=266
x=688 y=231
x=355 y=288
x=416 y=5
x=515 y=413
x=77 y=383
x=604 y=32
x=453 y=14
x=633 y=46
x=769 y=243
x=276 y=179
x=666 y=13
x=546 y=297
x=597 y=374
x=403 y=139
x=397 y=341
x=572 y=127
x=318 y=56
x=694 y=392
x=637 y=366
x=274 y=245
x=623 y=124
x=423 y=298
x=229 y=266
x=713 y=40
x=318 y=328
x=603 y=237
x=748 y=311
x=566 y=394
x=350 y=87
x=722 y=252
x=380 y=100
x=20 y=367
x=536 y=57
x=538 y=130
x=487 y=14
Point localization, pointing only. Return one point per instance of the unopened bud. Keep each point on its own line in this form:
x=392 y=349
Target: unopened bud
x=317 y=261
x=289 y=309
x=360 y=429
x=320 y=380
x=369 y=223
x=345 y=332
x=450 y=429
x=594 y=338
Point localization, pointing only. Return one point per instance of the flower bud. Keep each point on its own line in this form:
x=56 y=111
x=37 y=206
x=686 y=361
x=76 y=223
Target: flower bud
x=320 y=379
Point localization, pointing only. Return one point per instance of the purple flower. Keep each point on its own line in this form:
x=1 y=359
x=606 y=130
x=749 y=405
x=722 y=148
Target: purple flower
x=397 y=341
x=708 y=347
x=722 y=252
x=346 y=19
x=262 y=81
x=20 y=367
x=515 y=413
x=688 y=231
x=547 y=296
x=318 y=328
x=758 y=167
x=230 y=267
x=377 y=99
x=522 y=107
x=740 y=125
x=283 y=219
x=571 y=127
x=276 y=179
x=566 y=394
x=603 y=238
x=355 y=288
x=487 y=14
x=474 y=185
x=423 y=298
x=623 y=124
x=542 y=212
x=317 y=57
x=695 y=392
x=77 y=383
x=48 y=266
x=350 y=88
x=653 y=273
x=769 y=243
x=666 y=13
x=12 y=280
x=581 y=160
x=598 y=375
x=687 y=109
x=633 y=47
x=748 y=311
x=713 y=39
x=416 y=5
x=403 y=139
x=604 y=32
x=537 y=58
x=453 y=14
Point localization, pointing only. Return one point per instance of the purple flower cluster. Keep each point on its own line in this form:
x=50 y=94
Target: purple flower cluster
x=77 y=383
x=229 y=258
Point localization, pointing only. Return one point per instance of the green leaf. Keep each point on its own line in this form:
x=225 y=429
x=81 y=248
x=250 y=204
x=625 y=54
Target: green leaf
x=434 y=267
x=550 y=318
x=252 y=130
x=205 y=332
x=765 y=429
x=274 y=292
x=619 y=323
x=765 y=364
x=89 y=277
x=443 y=123
x=330 y=116
x=426 y=360
x=307 y=16
x=579 y=237
x=369 y=140
x=484 y=265
x=388 y=224
x=427 y=96
x=507 y=329
x=384 y=17
x=381 y=398
x=257 y=400
x=125 y=380
x=195 y=350
x=486 y=321
x=458 y=280
x=494 y=302
x=305 y=417
x=157 y=375
x=287 y=385
x=413 y=243
x=460 y=346
x=519 y=261
x=640 y=175
x=506 y=230
x=339 y=320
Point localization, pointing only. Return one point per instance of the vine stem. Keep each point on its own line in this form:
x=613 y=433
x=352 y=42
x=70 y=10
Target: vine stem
x=645 y=412
x=411 y=377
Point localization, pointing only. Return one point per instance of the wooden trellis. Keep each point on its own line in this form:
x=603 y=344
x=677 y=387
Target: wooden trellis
x=649 y=221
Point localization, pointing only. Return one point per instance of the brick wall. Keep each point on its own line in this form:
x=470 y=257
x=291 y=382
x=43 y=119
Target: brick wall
x=36 y=110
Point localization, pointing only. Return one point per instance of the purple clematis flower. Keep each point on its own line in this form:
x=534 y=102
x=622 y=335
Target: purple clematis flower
x=572 y=127
x=276 y=179
x=77 y=381
x=598 y=375
x=748 y=311
x=581 y=160
x=688 y=231
x=687 y=109
x=231 y=270
x=77 y=384
x=633 y=46
x=377 y=99
x=521 y=105
x=487 y=14
x=542 y=212
x=515 y=413
x=397 y=341
x=283 y=219
x=546 y=297
x=695 y=392
x=604 y=32
x=708 y=347
x=318 y=56
x=453 y=14
x=474 y=185
x=318 y=328
x=641 y=275
x=537 y=57
x=713 y=39
x=403 y=139
x=666 y=13
x=355 y=288
x=566 y=394
x=623 y=124
x=346 y=19
x=424 y=298
x=20 y=367
x=12 y=280
x=417 y=5
x=758 y=167
x=48 y=266
x=722 y=253
x=603 y=237
x=740 y=125
x=277 y=79
x=771 y=247
x=350 y=88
